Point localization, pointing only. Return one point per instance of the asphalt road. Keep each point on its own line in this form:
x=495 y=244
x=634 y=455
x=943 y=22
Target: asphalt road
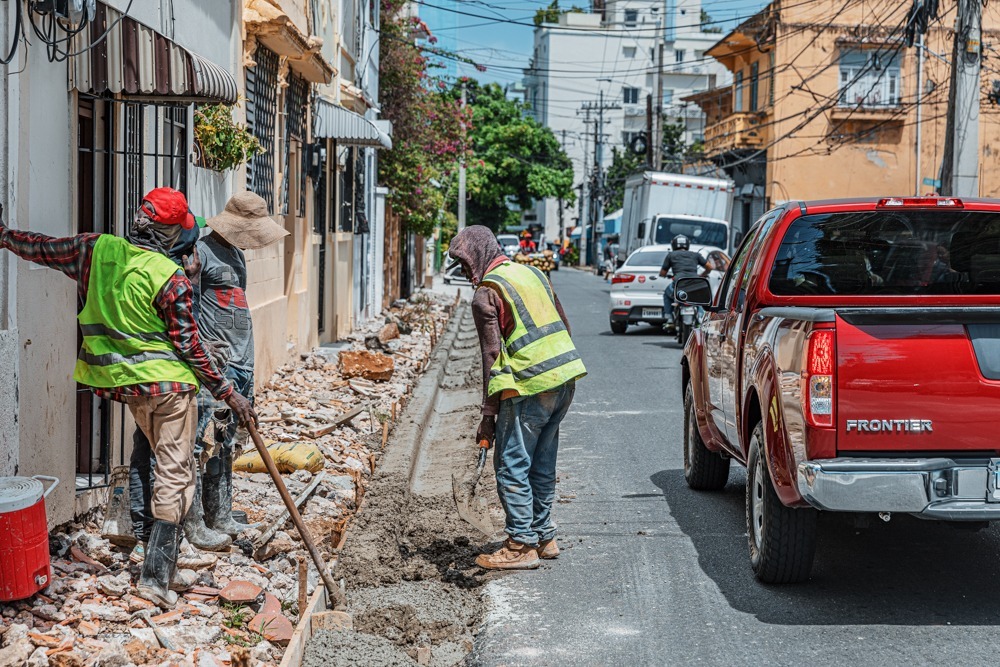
x=658 y=574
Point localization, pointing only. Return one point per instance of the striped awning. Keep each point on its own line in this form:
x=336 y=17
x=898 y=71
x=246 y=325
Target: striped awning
x=332 y=121
x=135 y=61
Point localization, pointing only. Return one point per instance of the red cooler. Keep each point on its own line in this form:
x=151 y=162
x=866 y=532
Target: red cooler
x=24 y=537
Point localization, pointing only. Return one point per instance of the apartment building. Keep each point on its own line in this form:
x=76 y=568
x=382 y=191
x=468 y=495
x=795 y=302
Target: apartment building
x=824 y=103
x=89 y=124
x=614 y=51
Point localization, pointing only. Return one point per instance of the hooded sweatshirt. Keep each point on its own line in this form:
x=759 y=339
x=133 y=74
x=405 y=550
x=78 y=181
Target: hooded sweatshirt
x=479 y=251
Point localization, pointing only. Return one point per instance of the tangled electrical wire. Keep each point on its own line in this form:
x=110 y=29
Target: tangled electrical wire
x=54 y=31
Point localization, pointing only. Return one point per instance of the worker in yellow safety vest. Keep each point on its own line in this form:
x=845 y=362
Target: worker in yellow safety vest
x=141 y=347
x=530 y=368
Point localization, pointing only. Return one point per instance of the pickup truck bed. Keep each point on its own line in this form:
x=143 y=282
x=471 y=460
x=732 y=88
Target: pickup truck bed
x=851 y=360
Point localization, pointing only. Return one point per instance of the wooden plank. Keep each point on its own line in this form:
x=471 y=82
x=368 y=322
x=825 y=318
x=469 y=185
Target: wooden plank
x=303 y=631
x=336 y=423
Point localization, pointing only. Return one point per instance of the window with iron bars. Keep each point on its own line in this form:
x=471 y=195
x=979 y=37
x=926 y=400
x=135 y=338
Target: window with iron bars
x=296 y=99
x=147 y=145
x=262 y=113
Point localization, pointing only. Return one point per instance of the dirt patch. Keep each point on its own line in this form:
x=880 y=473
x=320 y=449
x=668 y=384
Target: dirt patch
x=330 y=648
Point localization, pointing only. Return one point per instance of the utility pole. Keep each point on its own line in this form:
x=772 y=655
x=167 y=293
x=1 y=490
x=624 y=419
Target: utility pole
x=596 y=193
x=916 y=127
x=658 y=120
x=649 y=131
x=461 y=179
x=585 y=188
x=562 y=225
x=960 y=168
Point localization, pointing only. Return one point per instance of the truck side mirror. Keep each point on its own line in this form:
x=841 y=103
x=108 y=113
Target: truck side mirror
x=693 y=291
x=642 y=230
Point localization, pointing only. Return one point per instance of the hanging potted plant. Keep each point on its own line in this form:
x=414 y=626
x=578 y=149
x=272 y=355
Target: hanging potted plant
x=222 y=143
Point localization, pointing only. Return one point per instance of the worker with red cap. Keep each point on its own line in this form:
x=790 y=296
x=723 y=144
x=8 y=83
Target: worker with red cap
x=141 y=347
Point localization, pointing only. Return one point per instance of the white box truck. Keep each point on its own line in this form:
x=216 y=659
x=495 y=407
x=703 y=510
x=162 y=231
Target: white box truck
x=658 y=206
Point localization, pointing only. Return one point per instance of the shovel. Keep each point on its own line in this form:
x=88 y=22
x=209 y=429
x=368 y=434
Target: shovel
x=473 y=510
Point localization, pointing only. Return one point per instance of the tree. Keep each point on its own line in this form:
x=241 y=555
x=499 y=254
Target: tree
x=707 y=24
x=623 y=163
x=514 y=159
x=552 y=13
x=429 y=127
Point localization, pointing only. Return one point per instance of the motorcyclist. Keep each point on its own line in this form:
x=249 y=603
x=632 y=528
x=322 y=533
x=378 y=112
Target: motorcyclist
x=681 y=262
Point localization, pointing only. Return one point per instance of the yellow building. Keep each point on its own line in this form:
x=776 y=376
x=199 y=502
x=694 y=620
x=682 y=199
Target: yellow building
x=824 y=104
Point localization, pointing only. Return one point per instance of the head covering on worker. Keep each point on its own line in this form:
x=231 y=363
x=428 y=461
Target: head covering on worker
x=245 y=222
x=475 y=247
x=161 y=218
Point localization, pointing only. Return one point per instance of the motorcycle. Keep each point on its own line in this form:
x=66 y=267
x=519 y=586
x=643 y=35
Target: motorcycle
x=685 y=319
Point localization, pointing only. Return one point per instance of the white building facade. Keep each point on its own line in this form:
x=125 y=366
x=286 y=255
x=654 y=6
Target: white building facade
x=609 y=58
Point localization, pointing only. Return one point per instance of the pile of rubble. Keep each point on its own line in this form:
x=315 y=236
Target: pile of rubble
x=340 y=402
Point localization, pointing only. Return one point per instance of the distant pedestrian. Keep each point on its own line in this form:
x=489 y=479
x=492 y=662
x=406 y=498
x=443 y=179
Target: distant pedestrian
x=530 y=368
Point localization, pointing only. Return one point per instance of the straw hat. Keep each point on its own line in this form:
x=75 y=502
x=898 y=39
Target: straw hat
x=245 y=222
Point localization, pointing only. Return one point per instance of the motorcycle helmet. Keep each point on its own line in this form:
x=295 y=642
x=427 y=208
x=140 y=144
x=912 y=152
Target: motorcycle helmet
x=680 y=242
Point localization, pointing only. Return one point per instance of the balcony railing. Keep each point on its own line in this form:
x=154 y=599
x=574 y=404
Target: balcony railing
x=736 y=131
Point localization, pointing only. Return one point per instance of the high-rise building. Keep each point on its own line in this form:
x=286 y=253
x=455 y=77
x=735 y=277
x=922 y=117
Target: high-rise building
x=614 y=50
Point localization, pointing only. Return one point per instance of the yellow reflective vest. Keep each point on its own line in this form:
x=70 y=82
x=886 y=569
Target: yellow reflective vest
x=125 y=341
x=539 y=354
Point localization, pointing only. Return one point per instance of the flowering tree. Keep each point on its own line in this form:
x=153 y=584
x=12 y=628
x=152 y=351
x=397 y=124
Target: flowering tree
x=429 y=128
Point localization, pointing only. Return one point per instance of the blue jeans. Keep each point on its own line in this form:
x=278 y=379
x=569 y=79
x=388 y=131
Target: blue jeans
x=527 y=441
x=668 y=302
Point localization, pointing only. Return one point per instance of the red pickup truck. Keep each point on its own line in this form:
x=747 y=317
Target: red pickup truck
x=851 y=361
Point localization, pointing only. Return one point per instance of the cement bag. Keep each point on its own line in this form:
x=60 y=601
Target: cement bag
x=288 y=456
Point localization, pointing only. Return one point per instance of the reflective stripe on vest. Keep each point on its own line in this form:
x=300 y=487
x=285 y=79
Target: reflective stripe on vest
x=125 y=342
x=539 y=354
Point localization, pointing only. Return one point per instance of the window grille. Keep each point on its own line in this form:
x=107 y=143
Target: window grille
x=262 y=112
x=754 y=84
x=869 y=79
x=296 y=99
x=124 y=149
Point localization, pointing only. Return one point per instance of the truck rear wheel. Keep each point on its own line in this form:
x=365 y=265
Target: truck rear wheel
x=618 y=327
x=782 y=539
x=704 y=470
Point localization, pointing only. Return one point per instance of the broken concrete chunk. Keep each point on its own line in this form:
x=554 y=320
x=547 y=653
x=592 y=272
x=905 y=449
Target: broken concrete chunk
x=275 y=628
x=388 y=332
x=38 y=658
x=372 y=366
x=103 y=612
x=240 y=592
x=113 y=655
x=114 y=586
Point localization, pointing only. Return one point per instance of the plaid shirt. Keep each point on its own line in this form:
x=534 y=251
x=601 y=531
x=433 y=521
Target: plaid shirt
x=72 y=255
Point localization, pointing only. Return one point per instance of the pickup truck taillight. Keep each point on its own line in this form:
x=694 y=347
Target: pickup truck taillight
x=821 y=363
x=622 y=278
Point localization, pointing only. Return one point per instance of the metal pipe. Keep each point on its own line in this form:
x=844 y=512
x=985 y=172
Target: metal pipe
x=336 y=596
x=920 y=94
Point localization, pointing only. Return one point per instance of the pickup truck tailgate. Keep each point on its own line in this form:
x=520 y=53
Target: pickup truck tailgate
x=909 y=383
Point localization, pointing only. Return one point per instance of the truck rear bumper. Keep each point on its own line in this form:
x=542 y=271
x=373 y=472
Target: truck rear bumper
x=932 y=488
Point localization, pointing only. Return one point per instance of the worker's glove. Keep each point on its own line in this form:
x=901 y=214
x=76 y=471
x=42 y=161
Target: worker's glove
x=241 y=408
x=487 y=429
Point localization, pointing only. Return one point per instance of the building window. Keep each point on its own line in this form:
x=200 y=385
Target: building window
x=630 y=95
x=754 y=85
x=869 y=78
x=668 y=97
x=262 y=114
x=628 y=136
x=679 y=55
x=738 y=91
x=629 y=51
x=631 y=17
x=296 y=99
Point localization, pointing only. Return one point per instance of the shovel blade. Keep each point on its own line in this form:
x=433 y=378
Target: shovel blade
x=473 y=510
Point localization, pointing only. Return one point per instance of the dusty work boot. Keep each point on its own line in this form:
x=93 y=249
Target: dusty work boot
x=218 y=494
x=189 y=558
x=548 y=549
x=160 y=564
x=183 y=580
x=511 y=556
x=195 y=530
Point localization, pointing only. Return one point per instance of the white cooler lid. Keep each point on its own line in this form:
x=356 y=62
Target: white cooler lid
x=18 y=493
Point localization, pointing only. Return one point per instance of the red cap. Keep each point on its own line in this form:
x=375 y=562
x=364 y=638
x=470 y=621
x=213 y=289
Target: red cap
x=168 y=207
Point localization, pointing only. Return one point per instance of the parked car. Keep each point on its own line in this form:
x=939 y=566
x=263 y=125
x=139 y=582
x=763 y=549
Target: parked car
x=510 y=243
x=849 y=362
x=637 y=288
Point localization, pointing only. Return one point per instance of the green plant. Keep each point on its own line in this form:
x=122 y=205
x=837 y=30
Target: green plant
x=223 y=143
x=237 y=616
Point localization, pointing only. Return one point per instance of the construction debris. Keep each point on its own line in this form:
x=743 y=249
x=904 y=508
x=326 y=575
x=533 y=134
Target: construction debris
x=242 y=609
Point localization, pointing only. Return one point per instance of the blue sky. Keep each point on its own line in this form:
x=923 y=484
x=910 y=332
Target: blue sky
x=503 y=47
